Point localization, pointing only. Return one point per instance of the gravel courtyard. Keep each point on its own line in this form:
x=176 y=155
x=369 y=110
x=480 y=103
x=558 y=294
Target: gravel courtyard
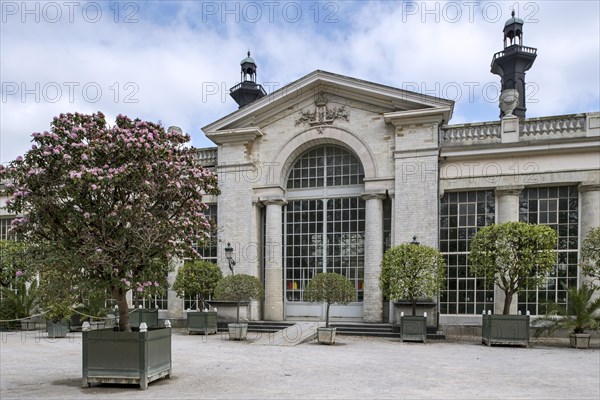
x=211 y=367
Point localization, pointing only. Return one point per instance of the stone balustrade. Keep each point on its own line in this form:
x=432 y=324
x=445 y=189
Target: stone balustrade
x=207 y=156
x=486 y=132
x=567 y=125
x=531 y=129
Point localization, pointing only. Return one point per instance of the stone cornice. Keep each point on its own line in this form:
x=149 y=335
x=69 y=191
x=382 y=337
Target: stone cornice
x=509 y=190
x=428 y=115
x=589 y=187
x=239 y=136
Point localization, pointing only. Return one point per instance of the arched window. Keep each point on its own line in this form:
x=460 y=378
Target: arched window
x=324 y=219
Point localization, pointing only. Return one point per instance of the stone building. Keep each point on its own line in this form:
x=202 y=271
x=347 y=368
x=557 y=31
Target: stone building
x=329 y=171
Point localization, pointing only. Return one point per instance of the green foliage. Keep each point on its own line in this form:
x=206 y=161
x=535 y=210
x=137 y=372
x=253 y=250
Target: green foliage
x=18 y=286
x=239 y=288
x=329 y=288
x=411 y=272
x=20 y=301
x=197 y=278
x=590 y=254
x=94 y=305
x=59 y=292
x=14 y=262
x=514 y=255
x=582 y=313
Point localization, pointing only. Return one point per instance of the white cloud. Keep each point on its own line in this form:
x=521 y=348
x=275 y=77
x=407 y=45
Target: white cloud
x=180 y=59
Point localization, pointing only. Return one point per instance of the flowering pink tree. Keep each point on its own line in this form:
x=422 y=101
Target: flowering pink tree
x=110 y=204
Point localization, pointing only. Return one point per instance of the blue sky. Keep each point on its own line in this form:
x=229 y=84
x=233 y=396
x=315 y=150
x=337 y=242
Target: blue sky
x=174 y=62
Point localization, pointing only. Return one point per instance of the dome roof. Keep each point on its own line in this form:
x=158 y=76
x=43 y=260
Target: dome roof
x=248 y=59
x=511 y=21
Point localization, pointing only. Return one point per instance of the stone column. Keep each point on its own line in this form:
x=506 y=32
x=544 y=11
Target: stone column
x=373 y=298
x=273 y=310
x=590 y=214
x=507 y=201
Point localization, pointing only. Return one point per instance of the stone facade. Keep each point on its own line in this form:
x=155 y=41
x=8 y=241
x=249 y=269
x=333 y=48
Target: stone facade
x=410 y=156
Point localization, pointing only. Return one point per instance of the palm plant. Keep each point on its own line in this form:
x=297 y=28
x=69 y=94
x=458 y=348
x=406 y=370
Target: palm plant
x=581 y=314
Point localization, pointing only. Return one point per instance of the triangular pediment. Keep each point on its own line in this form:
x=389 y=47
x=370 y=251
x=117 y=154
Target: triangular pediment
x=295 y=95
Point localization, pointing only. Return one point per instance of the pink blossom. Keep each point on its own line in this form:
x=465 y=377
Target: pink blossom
x=140 y=289
x=156 y=284
x=86 y=215
x=19 y=273
x=84 y=157
x=19 y=159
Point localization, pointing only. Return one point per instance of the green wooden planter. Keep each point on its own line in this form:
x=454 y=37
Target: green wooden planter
x=237 y=331
x=510 y=330
x=126 y=357
x=57 y=329
x=413 y=329
x=139 y=315
x=28 y=324
x=202 y=322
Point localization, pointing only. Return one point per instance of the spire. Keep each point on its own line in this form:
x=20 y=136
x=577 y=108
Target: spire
x=247 y=90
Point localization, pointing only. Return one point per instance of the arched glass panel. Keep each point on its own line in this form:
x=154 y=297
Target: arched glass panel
x=324 y=167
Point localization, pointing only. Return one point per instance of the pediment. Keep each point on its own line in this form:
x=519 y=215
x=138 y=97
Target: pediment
x=307 y=98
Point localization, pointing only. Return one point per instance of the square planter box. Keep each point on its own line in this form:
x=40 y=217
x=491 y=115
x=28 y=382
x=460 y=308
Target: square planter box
x=139 y=315
x=505 y=330
x=57 y=329
x=413 y=329
x=237 y=331
x=579 y=340
x=126 y=357
x=326 y=335
x=202 y=322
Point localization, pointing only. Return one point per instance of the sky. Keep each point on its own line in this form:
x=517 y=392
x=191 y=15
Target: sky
x=174 y=61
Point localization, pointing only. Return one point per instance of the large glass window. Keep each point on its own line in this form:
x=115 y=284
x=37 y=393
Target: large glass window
x=4 y=228
x=208 y=251
x=324 y=220
x=556 y=207
x=461 y=215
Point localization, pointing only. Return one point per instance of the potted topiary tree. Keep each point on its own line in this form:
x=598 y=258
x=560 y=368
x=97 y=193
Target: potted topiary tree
x=514 y=256
x=112 y=206
x=582 y=314
x=411 y=272
x=329 y=288
x=58 y=293
x=590 y=256
x=198 y=280
x=239 y=288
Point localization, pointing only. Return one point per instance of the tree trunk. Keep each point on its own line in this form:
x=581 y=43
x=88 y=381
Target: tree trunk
x=237 y=319
x=414 y=308
x=507 y=303
x=120 y=295
x=327 y=315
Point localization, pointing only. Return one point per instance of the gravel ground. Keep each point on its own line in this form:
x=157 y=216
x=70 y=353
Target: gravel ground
x=33 y=366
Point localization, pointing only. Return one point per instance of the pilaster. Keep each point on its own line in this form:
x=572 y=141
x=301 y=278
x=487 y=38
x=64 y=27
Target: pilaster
x=590 y=214
x=273 y=310
x=507 y=210
x=373 y=298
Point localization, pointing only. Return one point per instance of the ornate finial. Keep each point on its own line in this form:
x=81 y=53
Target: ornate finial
x=512 y=13
x=249 y=49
